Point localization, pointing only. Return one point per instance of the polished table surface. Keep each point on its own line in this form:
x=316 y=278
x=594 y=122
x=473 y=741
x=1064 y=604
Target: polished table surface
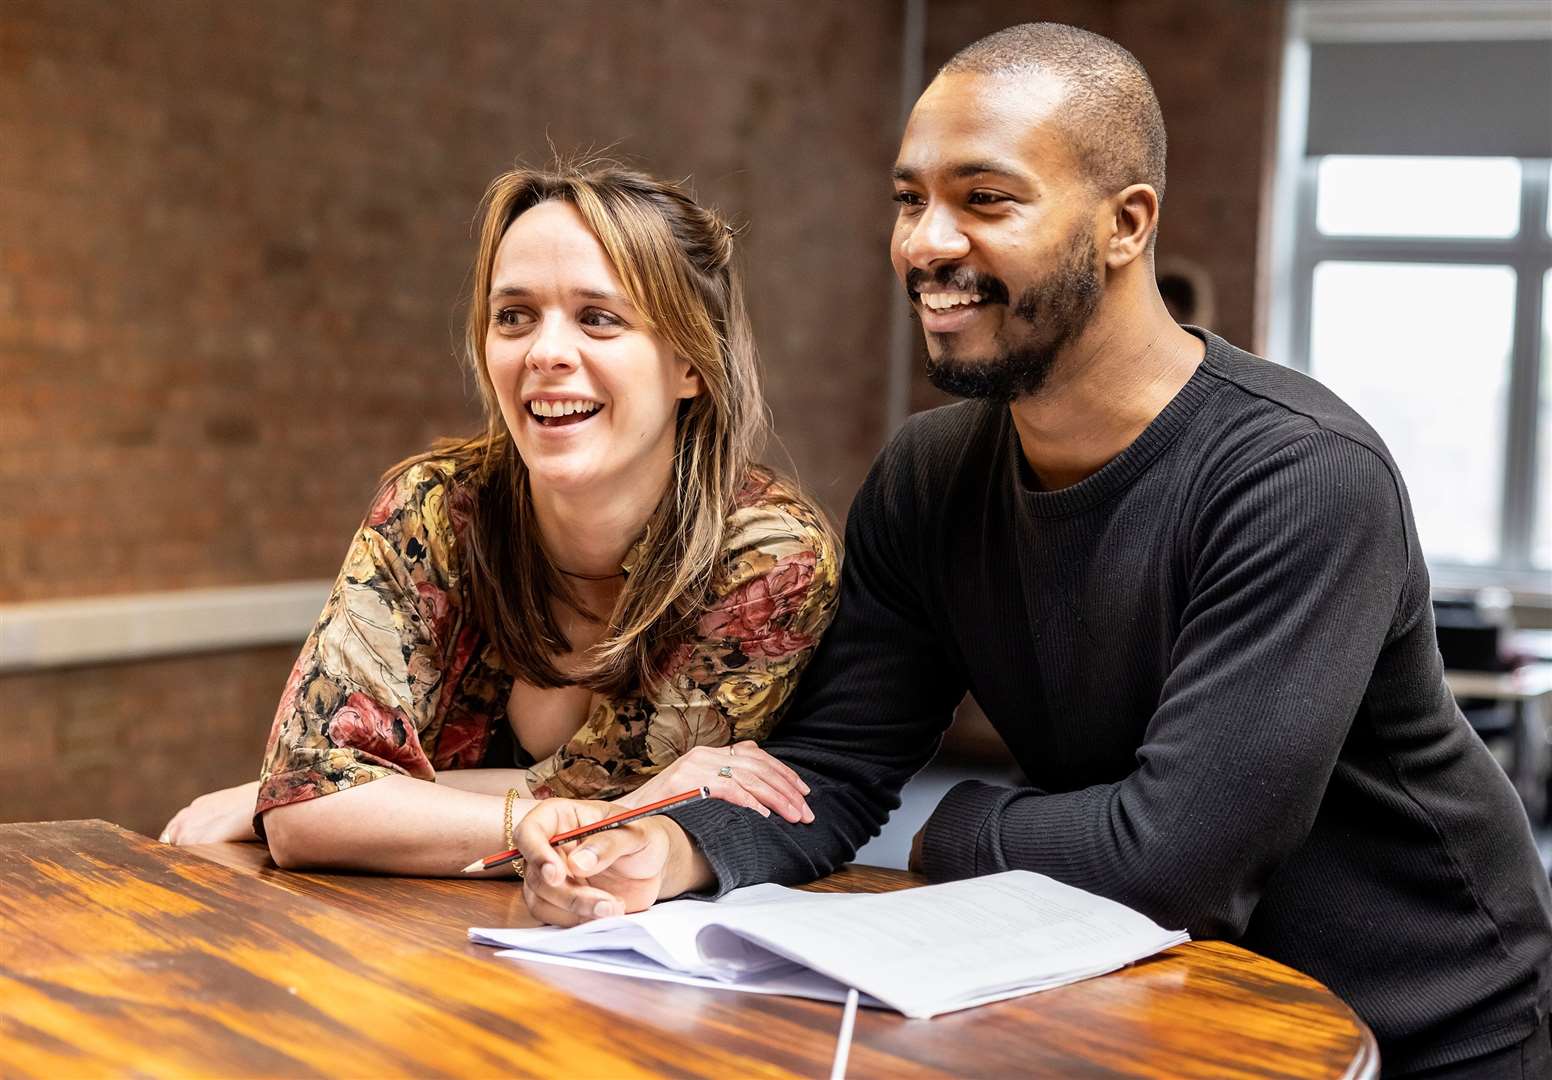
x=119 y=956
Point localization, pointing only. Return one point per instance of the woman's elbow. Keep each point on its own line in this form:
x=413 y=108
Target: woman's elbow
x=287 y=837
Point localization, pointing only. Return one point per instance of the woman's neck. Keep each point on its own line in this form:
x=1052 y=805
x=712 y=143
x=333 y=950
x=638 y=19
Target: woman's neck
x=588 y=535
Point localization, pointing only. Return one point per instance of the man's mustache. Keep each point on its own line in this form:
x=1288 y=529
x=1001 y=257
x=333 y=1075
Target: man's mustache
x=956 y=279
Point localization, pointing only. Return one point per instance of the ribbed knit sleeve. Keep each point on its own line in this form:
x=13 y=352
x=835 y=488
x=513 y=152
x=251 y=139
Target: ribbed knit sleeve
x=868 y=713
x=1297 y=564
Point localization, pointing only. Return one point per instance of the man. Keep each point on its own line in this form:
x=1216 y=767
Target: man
x=1182 y=582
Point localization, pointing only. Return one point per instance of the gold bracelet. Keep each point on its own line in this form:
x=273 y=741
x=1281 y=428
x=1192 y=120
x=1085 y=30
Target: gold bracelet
x=506 y=820
x=518 y=864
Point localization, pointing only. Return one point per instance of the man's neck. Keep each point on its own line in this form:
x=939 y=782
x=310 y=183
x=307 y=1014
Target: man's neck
x=1104 y=390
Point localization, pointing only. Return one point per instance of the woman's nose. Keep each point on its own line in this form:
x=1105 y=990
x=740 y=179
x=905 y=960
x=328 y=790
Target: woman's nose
x=554 y=347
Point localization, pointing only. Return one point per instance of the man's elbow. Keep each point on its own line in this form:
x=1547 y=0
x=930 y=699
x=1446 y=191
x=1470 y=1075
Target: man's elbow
x=1220 y=911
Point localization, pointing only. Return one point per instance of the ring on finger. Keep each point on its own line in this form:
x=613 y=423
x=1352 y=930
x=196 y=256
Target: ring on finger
x=726 y=772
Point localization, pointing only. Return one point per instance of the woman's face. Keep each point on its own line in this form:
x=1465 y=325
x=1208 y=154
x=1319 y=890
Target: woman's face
x=589 y=394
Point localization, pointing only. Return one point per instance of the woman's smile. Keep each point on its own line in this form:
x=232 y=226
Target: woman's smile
x=563 y=412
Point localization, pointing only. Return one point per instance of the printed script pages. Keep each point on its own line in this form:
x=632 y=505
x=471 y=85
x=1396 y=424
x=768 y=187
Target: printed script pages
x=922 y=951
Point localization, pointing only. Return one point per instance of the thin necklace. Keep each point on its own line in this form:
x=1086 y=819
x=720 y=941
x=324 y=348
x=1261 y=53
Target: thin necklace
x=590 y=577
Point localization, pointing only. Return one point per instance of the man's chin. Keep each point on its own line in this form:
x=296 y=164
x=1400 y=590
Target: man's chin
x=1000 y=379
x=978 y=380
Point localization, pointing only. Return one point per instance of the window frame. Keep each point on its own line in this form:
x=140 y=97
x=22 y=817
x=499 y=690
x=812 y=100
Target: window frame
x=1297 y=246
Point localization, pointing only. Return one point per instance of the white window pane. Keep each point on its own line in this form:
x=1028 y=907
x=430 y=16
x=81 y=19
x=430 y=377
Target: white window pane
x=1418 y=196
x=1422 y=352
x=1541 y=546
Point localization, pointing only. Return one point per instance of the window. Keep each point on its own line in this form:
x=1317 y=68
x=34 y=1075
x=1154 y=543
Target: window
x=1413 y=261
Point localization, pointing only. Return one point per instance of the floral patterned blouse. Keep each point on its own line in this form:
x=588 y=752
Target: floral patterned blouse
x=397 y=678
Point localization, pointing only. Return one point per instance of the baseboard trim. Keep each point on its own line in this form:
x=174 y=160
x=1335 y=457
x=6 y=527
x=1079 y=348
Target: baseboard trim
x=140 y=626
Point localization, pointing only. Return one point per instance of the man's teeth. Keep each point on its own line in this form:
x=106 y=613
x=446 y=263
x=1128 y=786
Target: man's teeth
x=942 y=301
x=562 y=408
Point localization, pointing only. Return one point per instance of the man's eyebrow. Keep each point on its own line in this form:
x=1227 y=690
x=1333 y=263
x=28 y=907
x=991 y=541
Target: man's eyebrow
x=963 y=171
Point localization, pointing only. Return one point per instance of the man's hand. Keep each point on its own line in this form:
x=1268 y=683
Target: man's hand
x=623 y=869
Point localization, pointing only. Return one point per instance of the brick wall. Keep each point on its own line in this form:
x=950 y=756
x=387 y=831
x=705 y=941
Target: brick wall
x=233 y=239
x=132 y=743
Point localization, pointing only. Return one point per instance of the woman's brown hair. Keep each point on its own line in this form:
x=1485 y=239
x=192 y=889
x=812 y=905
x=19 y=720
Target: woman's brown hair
x=674 y=259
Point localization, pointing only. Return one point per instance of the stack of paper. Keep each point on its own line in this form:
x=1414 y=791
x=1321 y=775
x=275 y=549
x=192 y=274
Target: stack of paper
x=923 y=951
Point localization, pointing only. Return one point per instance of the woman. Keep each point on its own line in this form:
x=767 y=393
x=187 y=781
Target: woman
x=600 y=597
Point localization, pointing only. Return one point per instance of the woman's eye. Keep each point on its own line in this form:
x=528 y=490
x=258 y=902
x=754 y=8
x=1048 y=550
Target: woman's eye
x=601 y=319
x=510 y=318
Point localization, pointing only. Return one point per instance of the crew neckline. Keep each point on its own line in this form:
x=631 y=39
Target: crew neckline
x=1126 y=466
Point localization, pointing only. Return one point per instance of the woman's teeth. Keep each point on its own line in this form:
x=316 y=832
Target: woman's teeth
x=550 y=413
x=943 y=301
x=562 y=408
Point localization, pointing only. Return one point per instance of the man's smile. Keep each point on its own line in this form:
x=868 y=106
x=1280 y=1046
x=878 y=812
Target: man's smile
x=946 y=312
x=945 y=301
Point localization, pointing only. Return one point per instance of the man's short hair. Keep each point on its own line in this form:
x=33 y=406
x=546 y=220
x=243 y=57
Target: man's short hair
x=1111 y=114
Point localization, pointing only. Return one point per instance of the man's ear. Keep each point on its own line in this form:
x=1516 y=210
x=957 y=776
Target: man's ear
x=1135 y=217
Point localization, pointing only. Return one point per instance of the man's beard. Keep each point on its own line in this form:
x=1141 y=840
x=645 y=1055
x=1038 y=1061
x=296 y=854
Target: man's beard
x=1057 y=307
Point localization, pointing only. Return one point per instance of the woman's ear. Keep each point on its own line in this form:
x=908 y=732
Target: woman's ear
x=689 y=379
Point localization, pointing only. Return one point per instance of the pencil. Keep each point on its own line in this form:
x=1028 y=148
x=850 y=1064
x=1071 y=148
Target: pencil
x=490 y=862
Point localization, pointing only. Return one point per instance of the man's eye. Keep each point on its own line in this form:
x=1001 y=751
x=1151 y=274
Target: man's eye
x=908 y=198
x=986 y=198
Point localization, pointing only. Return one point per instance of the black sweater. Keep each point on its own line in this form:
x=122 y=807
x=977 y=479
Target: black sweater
x=1214 y=661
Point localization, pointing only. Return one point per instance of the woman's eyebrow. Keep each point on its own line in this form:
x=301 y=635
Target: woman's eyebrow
x=520 y=291
x=600 y=294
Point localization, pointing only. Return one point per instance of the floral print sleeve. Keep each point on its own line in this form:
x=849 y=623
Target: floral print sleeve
x=365 y=698
x=773 y=597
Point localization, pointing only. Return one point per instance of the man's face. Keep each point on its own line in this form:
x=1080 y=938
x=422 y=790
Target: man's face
x=994 y=241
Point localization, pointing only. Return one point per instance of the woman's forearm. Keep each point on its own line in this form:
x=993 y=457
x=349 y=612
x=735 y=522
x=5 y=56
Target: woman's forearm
x=395 y=825
x=486 y=781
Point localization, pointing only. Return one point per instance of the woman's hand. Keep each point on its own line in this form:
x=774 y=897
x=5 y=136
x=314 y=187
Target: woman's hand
x=215 y=818
x=742 y=774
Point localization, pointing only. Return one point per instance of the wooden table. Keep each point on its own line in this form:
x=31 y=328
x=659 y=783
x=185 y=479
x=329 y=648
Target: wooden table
x=120 y=956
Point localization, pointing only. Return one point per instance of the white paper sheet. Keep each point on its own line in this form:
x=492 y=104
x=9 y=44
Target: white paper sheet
x=921 y=951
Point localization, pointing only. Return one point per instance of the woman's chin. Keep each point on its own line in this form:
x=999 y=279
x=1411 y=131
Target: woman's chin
x=566 y=480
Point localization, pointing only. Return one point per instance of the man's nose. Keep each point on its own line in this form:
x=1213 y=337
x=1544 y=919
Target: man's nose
x=554 y=347
x=934 y=237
